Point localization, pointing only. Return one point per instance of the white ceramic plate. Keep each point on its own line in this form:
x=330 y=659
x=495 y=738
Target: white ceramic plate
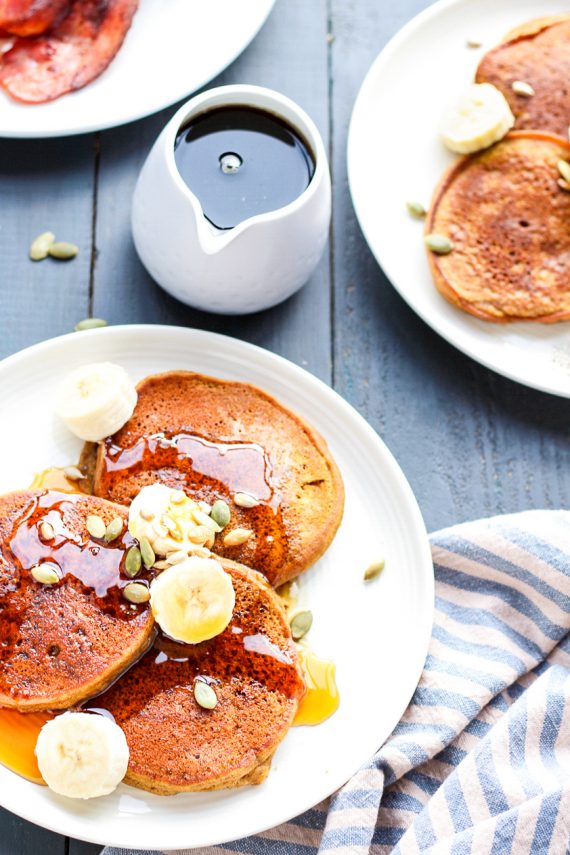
x=377 y=634
x=173 y=48
x=394 y=154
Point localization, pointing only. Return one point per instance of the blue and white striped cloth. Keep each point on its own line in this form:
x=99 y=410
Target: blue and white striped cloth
x=480 y=762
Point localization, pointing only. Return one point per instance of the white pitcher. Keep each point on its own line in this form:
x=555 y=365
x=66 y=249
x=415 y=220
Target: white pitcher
x=258 y=263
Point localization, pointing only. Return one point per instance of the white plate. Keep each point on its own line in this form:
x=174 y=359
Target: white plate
x=377 y=634
x=394 y=154
x=173 y=48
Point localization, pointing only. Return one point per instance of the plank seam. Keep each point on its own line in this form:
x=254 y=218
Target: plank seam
x=330 y=93
x=93 y=260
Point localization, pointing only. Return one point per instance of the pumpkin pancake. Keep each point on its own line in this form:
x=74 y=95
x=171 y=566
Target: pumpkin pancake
x=215 y=438
x=64 y=642
x=509 y=223
x=537 y=53
x=253 y=667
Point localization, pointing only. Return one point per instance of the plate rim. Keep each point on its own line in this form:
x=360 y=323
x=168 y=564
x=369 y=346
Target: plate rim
x=90 y=128
x=421 y=639
x=430 y=318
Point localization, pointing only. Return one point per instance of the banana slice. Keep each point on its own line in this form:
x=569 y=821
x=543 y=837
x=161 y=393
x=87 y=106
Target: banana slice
x=82 y=755
x=479 y=118
x=96 y=400
x=193 y=601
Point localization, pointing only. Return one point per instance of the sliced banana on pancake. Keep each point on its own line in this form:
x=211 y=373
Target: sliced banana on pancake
x=479 y=118
x=193 y=601
x=96 y=400
x=82 y=755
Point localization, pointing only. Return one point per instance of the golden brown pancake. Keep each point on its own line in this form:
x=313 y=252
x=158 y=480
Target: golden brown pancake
x=62 y=643
x=509 y=223
x=537 y=53
x=253 y=666
x=214 y=438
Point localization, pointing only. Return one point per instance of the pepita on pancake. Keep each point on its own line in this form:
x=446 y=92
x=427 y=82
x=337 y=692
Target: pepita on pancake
x=46 y=574
x=46 y=531
x=245 y=500
x=237 y=537
x=136 y=592
x=205 y=695
x=133 y=562
x=96 y=526
x=220 y=513
x=439 y=244
x=147 y=552
x=114 y=529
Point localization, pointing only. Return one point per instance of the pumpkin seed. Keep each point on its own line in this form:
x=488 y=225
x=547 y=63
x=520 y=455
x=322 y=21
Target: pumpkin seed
x=46 y=531
x=147 y=552
x=63 y=250
x=237 y=536
x=203 y=519
x=205 y=695
x=564 y=170
x=161 y=565
x=114 y=529
x=300 y=624
x=563 y=184
x=519 y=87
x=176 y=557
x=205 y=507
x=95 y=526
x=40 y=246
x=220 y=513
x=245 y=500
x=73 y=473
x=90 y=324
x=133 y=562
x=374 y=570
x=136 y=592
x=439 y=244
x=46 y=574
x=474 y=43
x=416 y=209
x=200 y=534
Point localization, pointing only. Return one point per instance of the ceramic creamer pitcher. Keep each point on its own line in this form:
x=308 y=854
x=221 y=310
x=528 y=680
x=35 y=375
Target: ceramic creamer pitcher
x=257 y=263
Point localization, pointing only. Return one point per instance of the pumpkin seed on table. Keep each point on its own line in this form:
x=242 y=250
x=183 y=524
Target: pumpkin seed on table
x=46 y=574
x=133 y=562
x=114 y=529
x=136 y=592
x=205 y=695
x=40 y=246
x=300 y=624
x=374 y=570
x=439 y=244
x=63 y=251
x=220 y=513
x=90 y=324
x=245 y=500
x=96 y=526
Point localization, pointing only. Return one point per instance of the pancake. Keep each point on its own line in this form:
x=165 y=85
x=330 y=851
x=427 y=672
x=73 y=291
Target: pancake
x=509 y=223
x=537 y=53
x=61 y=644
x=214 y=438
x=253 y=666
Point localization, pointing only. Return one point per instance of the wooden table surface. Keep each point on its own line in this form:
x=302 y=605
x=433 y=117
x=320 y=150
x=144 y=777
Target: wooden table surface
x=471 y=443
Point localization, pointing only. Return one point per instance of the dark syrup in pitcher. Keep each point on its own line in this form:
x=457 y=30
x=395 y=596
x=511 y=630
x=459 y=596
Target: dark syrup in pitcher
x=240 y=162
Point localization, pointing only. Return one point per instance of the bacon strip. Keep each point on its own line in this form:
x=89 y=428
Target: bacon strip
x=71 y=55
x=30 y=17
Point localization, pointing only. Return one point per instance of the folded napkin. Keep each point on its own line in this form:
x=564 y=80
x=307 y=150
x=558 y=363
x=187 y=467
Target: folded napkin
x=480 y=762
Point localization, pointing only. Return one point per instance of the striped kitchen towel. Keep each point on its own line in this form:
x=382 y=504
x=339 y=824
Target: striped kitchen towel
x=480 y=762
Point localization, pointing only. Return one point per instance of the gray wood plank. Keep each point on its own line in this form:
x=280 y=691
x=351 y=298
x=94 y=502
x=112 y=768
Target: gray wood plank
x=45 y=185
x=290 y=54
x=22 y=838
x=471 y=443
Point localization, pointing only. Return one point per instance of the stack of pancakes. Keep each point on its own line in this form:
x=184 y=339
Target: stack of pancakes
x=63 y=644
x=506 y=209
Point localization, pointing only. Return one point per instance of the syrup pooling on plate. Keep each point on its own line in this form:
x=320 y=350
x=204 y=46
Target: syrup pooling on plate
x=322 y=698
x=208 y=470
x=18 y=737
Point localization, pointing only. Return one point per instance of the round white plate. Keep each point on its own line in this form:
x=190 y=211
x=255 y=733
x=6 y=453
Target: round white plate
x=376 y=633
x=394 y=155
x=173 y=48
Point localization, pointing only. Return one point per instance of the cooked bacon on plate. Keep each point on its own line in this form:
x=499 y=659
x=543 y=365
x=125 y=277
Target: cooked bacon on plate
x=30 y=17
x=71 y=55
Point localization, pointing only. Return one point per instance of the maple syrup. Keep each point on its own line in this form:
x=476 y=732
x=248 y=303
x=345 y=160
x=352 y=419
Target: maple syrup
x=241 y=162
x=18 y=736
x=322 y=698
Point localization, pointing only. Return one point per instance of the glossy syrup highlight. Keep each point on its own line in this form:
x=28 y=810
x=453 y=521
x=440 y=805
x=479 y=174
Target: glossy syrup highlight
x=240 y=162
